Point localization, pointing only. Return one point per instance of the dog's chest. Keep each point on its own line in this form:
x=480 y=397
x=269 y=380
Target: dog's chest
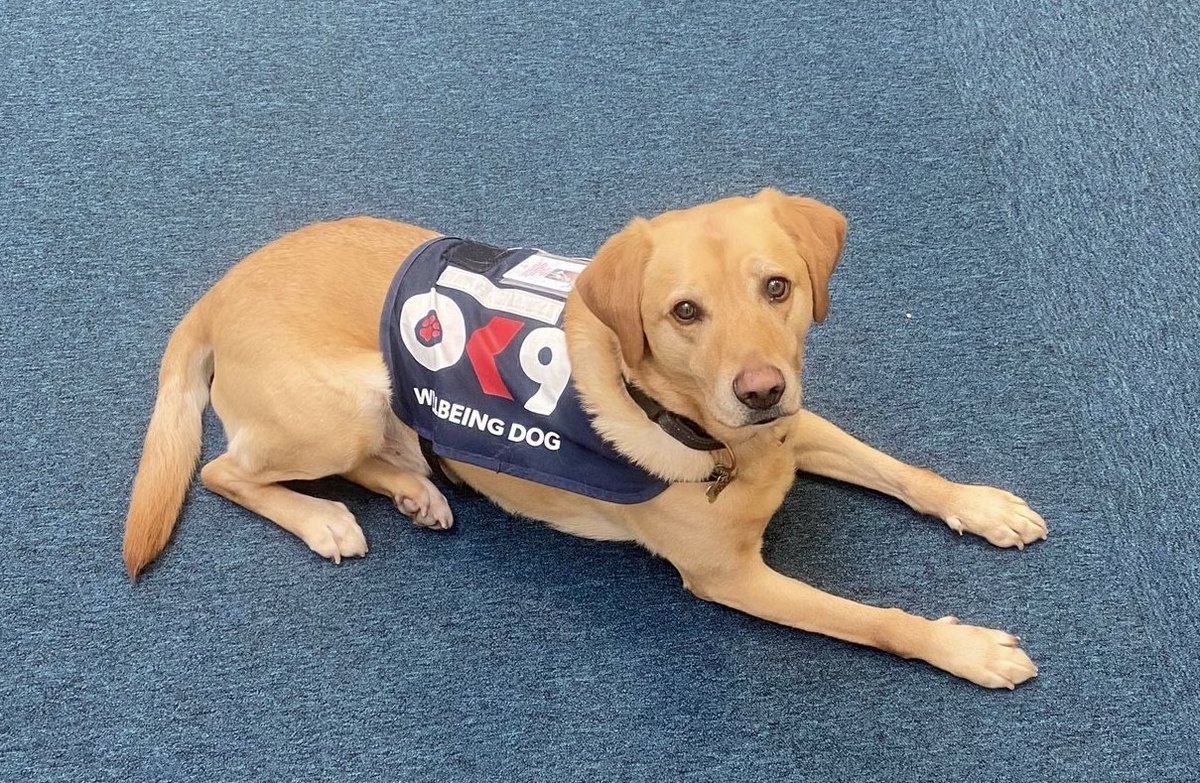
x=760 y=484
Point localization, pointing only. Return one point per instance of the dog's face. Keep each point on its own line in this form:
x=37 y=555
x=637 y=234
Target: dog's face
x=711 y=304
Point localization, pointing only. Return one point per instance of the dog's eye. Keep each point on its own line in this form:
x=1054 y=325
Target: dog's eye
x=685 y=312
x=778 y=288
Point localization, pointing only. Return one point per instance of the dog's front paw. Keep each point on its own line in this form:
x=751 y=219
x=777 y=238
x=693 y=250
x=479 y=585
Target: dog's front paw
x=426 y=506
x=993 y=659
x=1000 y=517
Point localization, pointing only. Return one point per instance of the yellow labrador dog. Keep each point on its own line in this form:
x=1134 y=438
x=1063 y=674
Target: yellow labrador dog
x=690 y=325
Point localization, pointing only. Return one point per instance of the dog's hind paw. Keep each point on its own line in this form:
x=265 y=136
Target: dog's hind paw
x=427 y=506
x=335 y=534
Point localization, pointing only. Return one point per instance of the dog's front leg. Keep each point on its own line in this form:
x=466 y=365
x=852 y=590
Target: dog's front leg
x=1000 y=517
x=984 y=656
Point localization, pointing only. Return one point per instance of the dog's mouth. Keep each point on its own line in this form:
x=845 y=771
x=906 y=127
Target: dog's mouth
x=762 y=418
x=750 y=419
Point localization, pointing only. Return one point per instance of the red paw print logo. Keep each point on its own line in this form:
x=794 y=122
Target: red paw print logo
x=429 y=329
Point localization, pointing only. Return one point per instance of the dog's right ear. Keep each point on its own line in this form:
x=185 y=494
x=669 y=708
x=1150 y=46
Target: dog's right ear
x=611 y=286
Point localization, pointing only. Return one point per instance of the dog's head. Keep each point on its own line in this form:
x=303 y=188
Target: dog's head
x=710 y=305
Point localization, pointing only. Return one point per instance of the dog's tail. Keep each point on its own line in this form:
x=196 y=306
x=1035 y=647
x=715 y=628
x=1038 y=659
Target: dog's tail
x=173 y=442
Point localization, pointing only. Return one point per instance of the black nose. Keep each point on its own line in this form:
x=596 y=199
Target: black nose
x=759 y=387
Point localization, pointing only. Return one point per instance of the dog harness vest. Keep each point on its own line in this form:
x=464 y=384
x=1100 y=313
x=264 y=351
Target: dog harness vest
x=472 y=338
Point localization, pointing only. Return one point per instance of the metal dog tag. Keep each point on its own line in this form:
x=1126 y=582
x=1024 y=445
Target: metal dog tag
x=722 y=475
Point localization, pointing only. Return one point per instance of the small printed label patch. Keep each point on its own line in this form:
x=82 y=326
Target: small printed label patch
x=547 y=273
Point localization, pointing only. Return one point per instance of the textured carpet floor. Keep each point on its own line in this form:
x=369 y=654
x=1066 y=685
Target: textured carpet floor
x=1017 y=305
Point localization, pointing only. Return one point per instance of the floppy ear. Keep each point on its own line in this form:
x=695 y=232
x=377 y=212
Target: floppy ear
x=818 y=231
x=611 y=286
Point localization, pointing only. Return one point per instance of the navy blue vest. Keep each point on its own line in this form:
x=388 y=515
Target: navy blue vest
x=472 y=338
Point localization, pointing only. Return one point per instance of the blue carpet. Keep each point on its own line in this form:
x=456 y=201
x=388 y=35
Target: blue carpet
x=1017 y=304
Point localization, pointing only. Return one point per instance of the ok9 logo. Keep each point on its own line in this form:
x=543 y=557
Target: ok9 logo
x=434 y=331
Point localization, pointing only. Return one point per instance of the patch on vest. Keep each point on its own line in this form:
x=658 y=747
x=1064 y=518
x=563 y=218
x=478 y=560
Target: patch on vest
x=429 y=331
x=472 y=337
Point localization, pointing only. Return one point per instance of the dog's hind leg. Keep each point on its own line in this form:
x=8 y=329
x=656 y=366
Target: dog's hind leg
x=326 y=526
x=412 y=493
x=298 y=417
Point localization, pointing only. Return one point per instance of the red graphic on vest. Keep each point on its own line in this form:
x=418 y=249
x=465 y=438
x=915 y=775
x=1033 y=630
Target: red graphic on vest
x=429 y=329
x=485 y=345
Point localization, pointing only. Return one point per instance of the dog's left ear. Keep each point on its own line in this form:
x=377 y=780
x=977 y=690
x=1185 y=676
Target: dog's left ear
x=818 y=231
x=611 y=286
